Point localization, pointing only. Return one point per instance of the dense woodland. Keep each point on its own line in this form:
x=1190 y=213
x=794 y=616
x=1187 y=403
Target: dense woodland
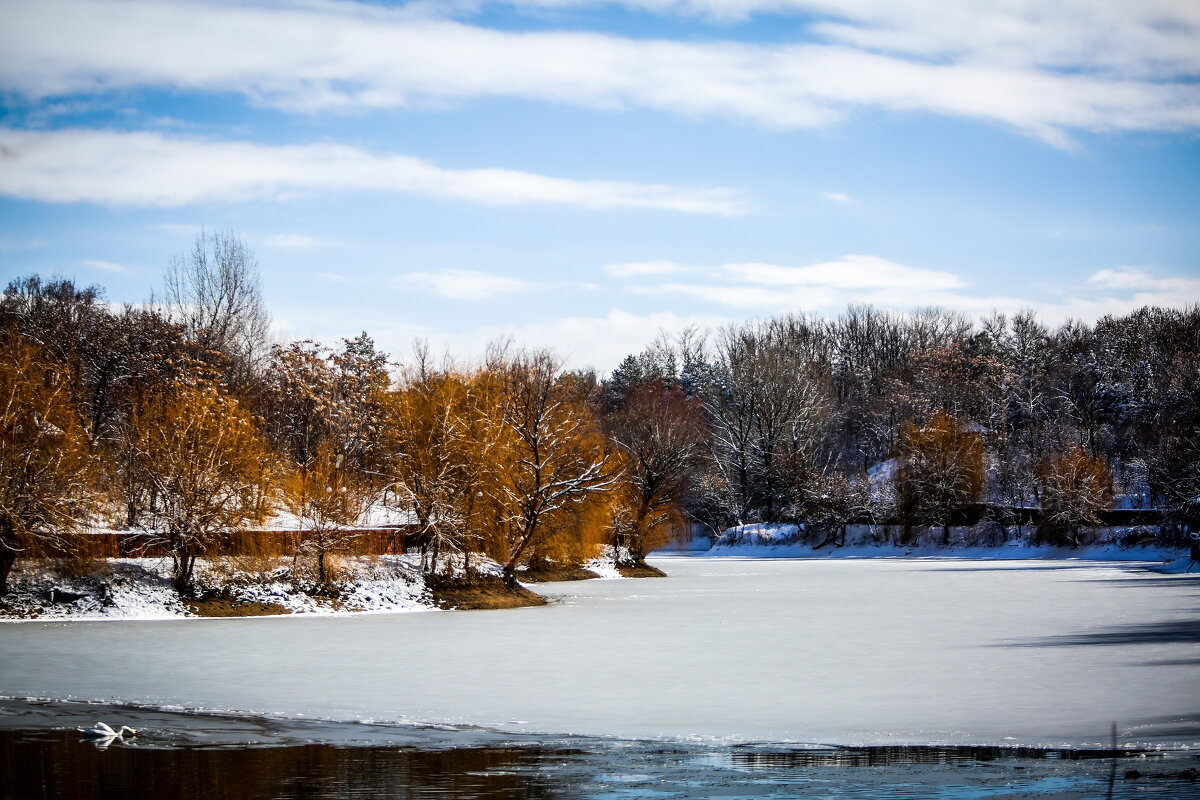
x=178 y=419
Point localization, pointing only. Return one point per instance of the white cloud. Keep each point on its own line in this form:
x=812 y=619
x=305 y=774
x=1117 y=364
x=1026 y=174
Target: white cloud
x=596 y=341
x=108 y=266
x=169 y=227
x=602 y=340
x=1150 y=38
x=8 y=245
x=336 y=277
x=848 y=272
x=1044 y=69
x=1143 y=282
x=599 y=341
x=837 y=197
x=149 y=169
x=829 y=287
x=295 y=240
x=465 y=284
x=633 y=269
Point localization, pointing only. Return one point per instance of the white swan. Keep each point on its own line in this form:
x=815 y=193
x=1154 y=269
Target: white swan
x=102 y=730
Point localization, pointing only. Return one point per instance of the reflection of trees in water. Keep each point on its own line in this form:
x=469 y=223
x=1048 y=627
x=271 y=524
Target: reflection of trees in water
x=56 y=764
x=890 y=756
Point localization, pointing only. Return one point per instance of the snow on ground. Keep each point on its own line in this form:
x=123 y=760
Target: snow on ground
x=140 y=588
x=605 y=567
x=377 y=515
x=763 y=540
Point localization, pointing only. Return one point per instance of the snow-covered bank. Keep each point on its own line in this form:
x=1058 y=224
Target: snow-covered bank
x=788 y=541
x=140 y=589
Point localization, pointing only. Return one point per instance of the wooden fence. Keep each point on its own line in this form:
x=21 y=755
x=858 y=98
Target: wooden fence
x=393 y=540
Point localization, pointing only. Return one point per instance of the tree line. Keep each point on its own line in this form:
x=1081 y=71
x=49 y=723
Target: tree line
x=178 y=418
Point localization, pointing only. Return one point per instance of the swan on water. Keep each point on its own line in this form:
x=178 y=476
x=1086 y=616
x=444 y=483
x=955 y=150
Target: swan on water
x=102 y=730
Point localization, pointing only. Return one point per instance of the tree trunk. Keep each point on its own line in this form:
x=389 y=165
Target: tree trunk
x=7 y=559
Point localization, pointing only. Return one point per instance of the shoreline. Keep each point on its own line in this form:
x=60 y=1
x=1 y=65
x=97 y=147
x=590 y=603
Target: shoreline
x=136 y=589
x=172 y=726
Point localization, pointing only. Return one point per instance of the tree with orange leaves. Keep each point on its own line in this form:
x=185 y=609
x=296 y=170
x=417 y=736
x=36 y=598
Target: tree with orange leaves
x=1076 y=487
x=203 y=461
x=550 y=453
x=940 y=470
x=45 y=458
x=327 y=499
x=437 y=445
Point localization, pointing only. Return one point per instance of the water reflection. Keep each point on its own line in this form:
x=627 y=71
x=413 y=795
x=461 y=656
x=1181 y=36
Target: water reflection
x=59 y=764
x=39 y=764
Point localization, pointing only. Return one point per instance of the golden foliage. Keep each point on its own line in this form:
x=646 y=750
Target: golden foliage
x=203 y=463
x=548 y=456
x=328 y=499
x=940 y=470
x=1076 y=487
x=45 y=457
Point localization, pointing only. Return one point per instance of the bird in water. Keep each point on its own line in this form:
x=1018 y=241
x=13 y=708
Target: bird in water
x=104 y=735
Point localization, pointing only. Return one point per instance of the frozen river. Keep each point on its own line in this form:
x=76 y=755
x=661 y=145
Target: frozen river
x=882 y=651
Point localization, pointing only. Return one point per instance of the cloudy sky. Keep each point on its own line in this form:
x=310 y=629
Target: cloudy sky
x=583 y=174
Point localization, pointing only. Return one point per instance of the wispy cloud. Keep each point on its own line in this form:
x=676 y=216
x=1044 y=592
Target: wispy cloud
x=632 y=269
x=10 y=245
x=830 y=286
x=837 y=197
x=1045 y=69
x=149 y=169
x=295 y=241
x=1143 y=281
x=1151 y=38
x=337 y=277
x=108 y=266
x=599 y=341
x=465 y=284
x=170 y=227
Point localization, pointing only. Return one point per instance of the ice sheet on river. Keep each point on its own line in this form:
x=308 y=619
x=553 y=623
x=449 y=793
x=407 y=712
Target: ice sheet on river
x=845 y=652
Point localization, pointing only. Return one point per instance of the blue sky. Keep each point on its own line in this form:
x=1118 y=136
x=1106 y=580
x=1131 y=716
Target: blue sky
x=584 y=174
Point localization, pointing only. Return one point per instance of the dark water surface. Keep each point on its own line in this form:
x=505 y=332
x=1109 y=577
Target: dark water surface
x=179 y=754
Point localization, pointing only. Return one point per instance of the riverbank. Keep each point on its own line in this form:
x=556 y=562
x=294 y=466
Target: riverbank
x=140 y=589
x=862 y=541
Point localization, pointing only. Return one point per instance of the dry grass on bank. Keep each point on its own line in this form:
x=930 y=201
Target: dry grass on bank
x=481 y=592
x=640 y=571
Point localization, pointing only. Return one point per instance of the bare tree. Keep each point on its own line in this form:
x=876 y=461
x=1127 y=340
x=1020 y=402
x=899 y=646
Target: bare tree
x=766 y=409
x=300 y=398
x=664 y=438
x=552 y=454
x=215 y=292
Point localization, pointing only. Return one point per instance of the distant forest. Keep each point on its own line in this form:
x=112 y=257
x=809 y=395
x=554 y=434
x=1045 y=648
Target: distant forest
x=179 y=419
